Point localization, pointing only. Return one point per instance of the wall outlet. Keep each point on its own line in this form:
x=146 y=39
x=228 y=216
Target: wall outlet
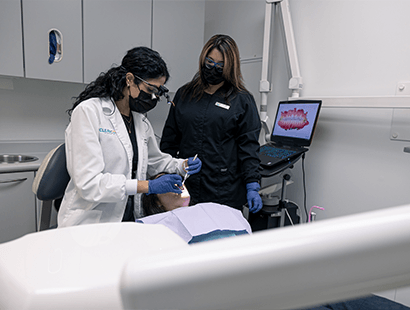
x=403 y=89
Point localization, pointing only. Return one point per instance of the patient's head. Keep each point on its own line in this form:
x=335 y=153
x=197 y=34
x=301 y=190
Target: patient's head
x=158 y=203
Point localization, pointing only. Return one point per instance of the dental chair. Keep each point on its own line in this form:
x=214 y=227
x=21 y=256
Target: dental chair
x=50 y=183
x=118 y=266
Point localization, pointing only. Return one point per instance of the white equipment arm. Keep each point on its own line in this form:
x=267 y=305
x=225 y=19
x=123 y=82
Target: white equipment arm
x=295 y=82
x=287 y=268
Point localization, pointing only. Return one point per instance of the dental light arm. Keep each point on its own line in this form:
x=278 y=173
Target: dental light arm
x=264 y=85
x=296 y=81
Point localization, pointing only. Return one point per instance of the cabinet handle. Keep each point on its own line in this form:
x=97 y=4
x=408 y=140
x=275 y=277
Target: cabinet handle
x=55 y=46
x=13 y=181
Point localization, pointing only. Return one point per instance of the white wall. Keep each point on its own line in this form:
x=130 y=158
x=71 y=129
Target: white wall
x=34 y=109
x=352 y=48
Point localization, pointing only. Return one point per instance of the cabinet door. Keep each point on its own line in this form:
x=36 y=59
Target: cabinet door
x=17 y=205
x=11 y=39
x=41 y=16
x=178 y=35
x=111 y=28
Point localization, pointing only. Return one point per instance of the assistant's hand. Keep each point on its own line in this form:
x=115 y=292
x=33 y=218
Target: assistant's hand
x=254 y=200
x=194 y=166
x=165 y=184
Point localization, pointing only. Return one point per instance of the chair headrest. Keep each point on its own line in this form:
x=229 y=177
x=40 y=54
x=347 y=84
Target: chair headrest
x=52 y=177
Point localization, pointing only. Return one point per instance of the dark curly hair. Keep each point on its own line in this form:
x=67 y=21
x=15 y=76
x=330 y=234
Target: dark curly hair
x=140 y=61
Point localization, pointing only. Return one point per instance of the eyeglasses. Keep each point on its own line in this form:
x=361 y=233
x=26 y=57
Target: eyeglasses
x=156 y=91
x=209 y=63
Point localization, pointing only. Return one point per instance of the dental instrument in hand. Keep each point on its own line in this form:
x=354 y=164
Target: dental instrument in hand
x=187 y=174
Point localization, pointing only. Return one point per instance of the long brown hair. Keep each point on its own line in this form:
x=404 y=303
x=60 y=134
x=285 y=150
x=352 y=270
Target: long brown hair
x=231 y=71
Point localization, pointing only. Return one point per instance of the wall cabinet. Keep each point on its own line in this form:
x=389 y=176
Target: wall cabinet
x=41 y=16
x=95 y=36
x=11 y=40
x=178 y=35
x=17 y=205
x=111 y=28
x=174 y=28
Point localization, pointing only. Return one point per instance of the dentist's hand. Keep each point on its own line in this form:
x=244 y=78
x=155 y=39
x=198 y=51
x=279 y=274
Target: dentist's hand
x=165 y=184
x=254 y=199
x=194 y=165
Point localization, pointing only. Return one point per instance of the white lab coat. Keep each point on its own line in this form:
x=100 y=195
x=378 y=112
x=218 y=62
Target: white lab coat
x=99 y=161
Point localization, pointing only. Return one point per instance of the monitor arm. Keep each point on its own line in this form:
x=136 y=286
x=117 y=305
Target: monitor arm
x=295 y=82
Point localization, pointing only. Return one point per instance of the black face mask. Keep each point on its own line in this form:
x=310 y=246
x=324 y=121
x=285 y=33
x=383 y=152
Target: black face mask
x=212 y=76
x=143 y=103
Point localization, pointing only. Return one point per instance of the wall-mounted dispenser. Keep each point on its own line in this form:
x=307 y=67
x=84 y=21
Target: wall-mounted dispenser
x=55 y=46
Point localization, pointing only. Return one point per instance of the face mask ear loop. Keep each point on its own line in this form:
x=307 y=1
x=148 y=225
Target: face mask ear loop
x=138 y=89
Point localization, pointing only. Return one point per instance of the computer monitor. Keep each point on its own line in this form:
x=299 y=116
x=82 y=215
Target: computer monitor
x=295 y=122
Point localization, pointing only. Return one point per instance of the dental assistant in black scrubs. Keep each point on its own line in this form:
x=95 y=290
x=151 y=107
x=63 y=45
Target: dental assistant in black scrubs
x=215 y=117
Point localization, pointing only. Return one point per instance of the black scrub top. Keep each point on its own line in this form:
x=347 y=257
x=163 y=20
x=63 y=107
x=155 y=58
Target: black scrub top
x=224 y=132
x=129 y=124
x=129 y=208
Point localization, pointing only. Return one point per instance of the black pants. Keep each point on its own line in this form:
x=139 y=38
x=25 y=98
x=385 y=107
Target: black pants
x=129 y=210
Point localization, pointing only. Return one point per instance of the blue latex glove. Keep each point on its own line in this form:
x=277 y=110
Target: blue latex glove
x=165 y=184
x=53 y=47
x=194 y=166
x=254 y=200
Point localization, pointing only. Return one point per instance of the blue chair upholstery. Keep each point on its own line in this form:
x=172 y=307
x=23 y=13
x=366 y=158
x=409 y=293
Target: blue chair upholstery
x=50 y=182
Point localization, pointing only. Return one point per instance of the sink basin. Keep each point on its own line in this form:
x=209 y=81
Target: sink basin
x=11 y=159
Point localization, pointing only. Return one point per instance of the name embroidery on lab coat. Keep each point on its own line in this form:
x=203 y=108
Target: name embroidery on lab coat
x=109 y=131
x=222 y=105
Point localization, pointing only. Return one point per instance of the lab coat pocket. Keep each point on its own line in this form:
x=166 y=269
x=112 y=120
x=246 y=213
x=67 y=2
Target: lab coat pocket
x=79 y=217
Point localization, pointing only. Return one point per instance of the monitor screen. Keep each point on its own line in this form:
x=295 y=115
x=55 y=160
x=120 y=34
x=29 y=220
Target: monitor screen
x=295 y=122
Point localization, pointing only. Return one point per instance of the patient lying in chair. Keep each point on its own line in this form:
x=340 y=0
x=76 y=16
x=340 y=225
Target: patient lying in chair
x=372 y=302
x=193 y=223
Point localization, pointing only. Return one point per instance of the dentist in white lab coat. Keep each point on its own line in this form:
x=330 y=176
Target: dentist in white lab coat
x=111 y=146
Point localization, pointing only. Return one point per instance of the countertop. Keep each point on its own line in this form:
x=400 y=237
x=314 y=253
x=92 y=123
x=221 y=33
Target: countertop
x=39 y=149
